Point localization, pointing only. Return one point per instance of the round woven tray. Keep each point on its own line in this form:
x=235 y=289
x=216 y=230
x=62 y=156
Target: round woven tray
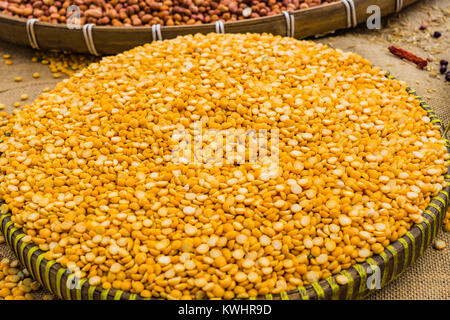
x=385 y=267
x=112 y=40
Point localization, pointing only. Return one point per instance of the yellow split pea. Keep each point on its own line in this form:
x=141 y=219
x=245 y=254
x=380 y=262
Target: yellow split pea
x=15 y=283
x=88 y=172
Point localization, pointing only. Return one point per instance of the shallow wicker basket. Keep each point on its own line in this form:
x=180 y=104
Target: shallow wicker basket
x=112 y=40
x=386 y=266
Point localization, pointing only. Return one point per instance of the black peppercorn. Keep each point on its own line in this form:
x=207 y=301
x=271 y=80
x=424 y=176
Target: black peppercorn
x=437 y=34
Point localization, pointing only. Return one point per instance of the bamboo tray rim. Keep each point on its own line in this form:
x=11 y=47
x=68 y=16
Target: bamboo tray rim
x=20 y=20
x=406 y=249
x=105 y=40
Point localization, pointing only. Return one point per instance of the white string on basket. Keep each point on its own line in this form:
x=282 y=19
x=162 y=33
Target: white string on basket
x=290 y=23
x=398 y=5
x=89 y=39
x=220 y=26
x=354 y=19
x=31 y=34
x=351 y=13
x=156 y=32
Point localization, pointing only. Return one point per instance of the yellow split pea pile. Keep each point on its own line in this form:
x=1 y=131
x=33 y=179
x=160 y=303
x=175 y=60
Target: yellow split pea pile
x=16 y=284
x=88 y=172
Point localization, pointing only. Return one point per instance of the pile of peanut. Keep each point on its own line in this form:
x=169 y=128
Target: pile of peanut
x=150 y=12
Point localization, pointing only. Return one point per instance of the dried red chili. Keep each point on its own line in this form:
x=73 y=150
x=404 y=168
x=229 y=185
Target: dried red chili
x=421 y=63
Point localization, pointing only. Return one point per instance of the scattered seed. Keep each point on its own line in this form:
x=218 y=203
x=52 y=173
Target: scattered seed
x=247 y=12
x=341 y=279
x=440 y=244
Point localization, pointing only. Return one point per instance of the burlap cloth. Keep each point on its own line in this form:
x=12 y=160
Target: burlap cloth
x=429 y=277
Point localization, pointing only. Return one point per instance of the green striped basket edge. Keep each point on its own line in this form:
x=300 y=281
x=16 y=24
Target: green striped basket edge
x=362 y=276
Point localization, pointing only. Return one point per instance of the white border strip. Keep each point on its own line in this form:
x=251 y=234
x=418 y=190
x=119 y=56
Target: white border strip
x=289 y=23
x=292 y=18
x=156 y=32
x=220 y=26
x=89 y=39
x=31 y=34
x=351 y=13
x=354 y=20
x=398 y=5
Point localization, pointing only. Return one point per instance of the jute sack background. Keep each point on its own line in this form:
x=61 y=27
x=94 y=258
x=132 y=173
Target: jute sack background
x=429 y=277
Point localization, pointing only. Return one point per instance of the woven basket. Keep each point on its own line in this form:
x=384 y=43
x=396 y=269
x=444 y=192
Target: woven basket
x=103 y=40
x=388 y=265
